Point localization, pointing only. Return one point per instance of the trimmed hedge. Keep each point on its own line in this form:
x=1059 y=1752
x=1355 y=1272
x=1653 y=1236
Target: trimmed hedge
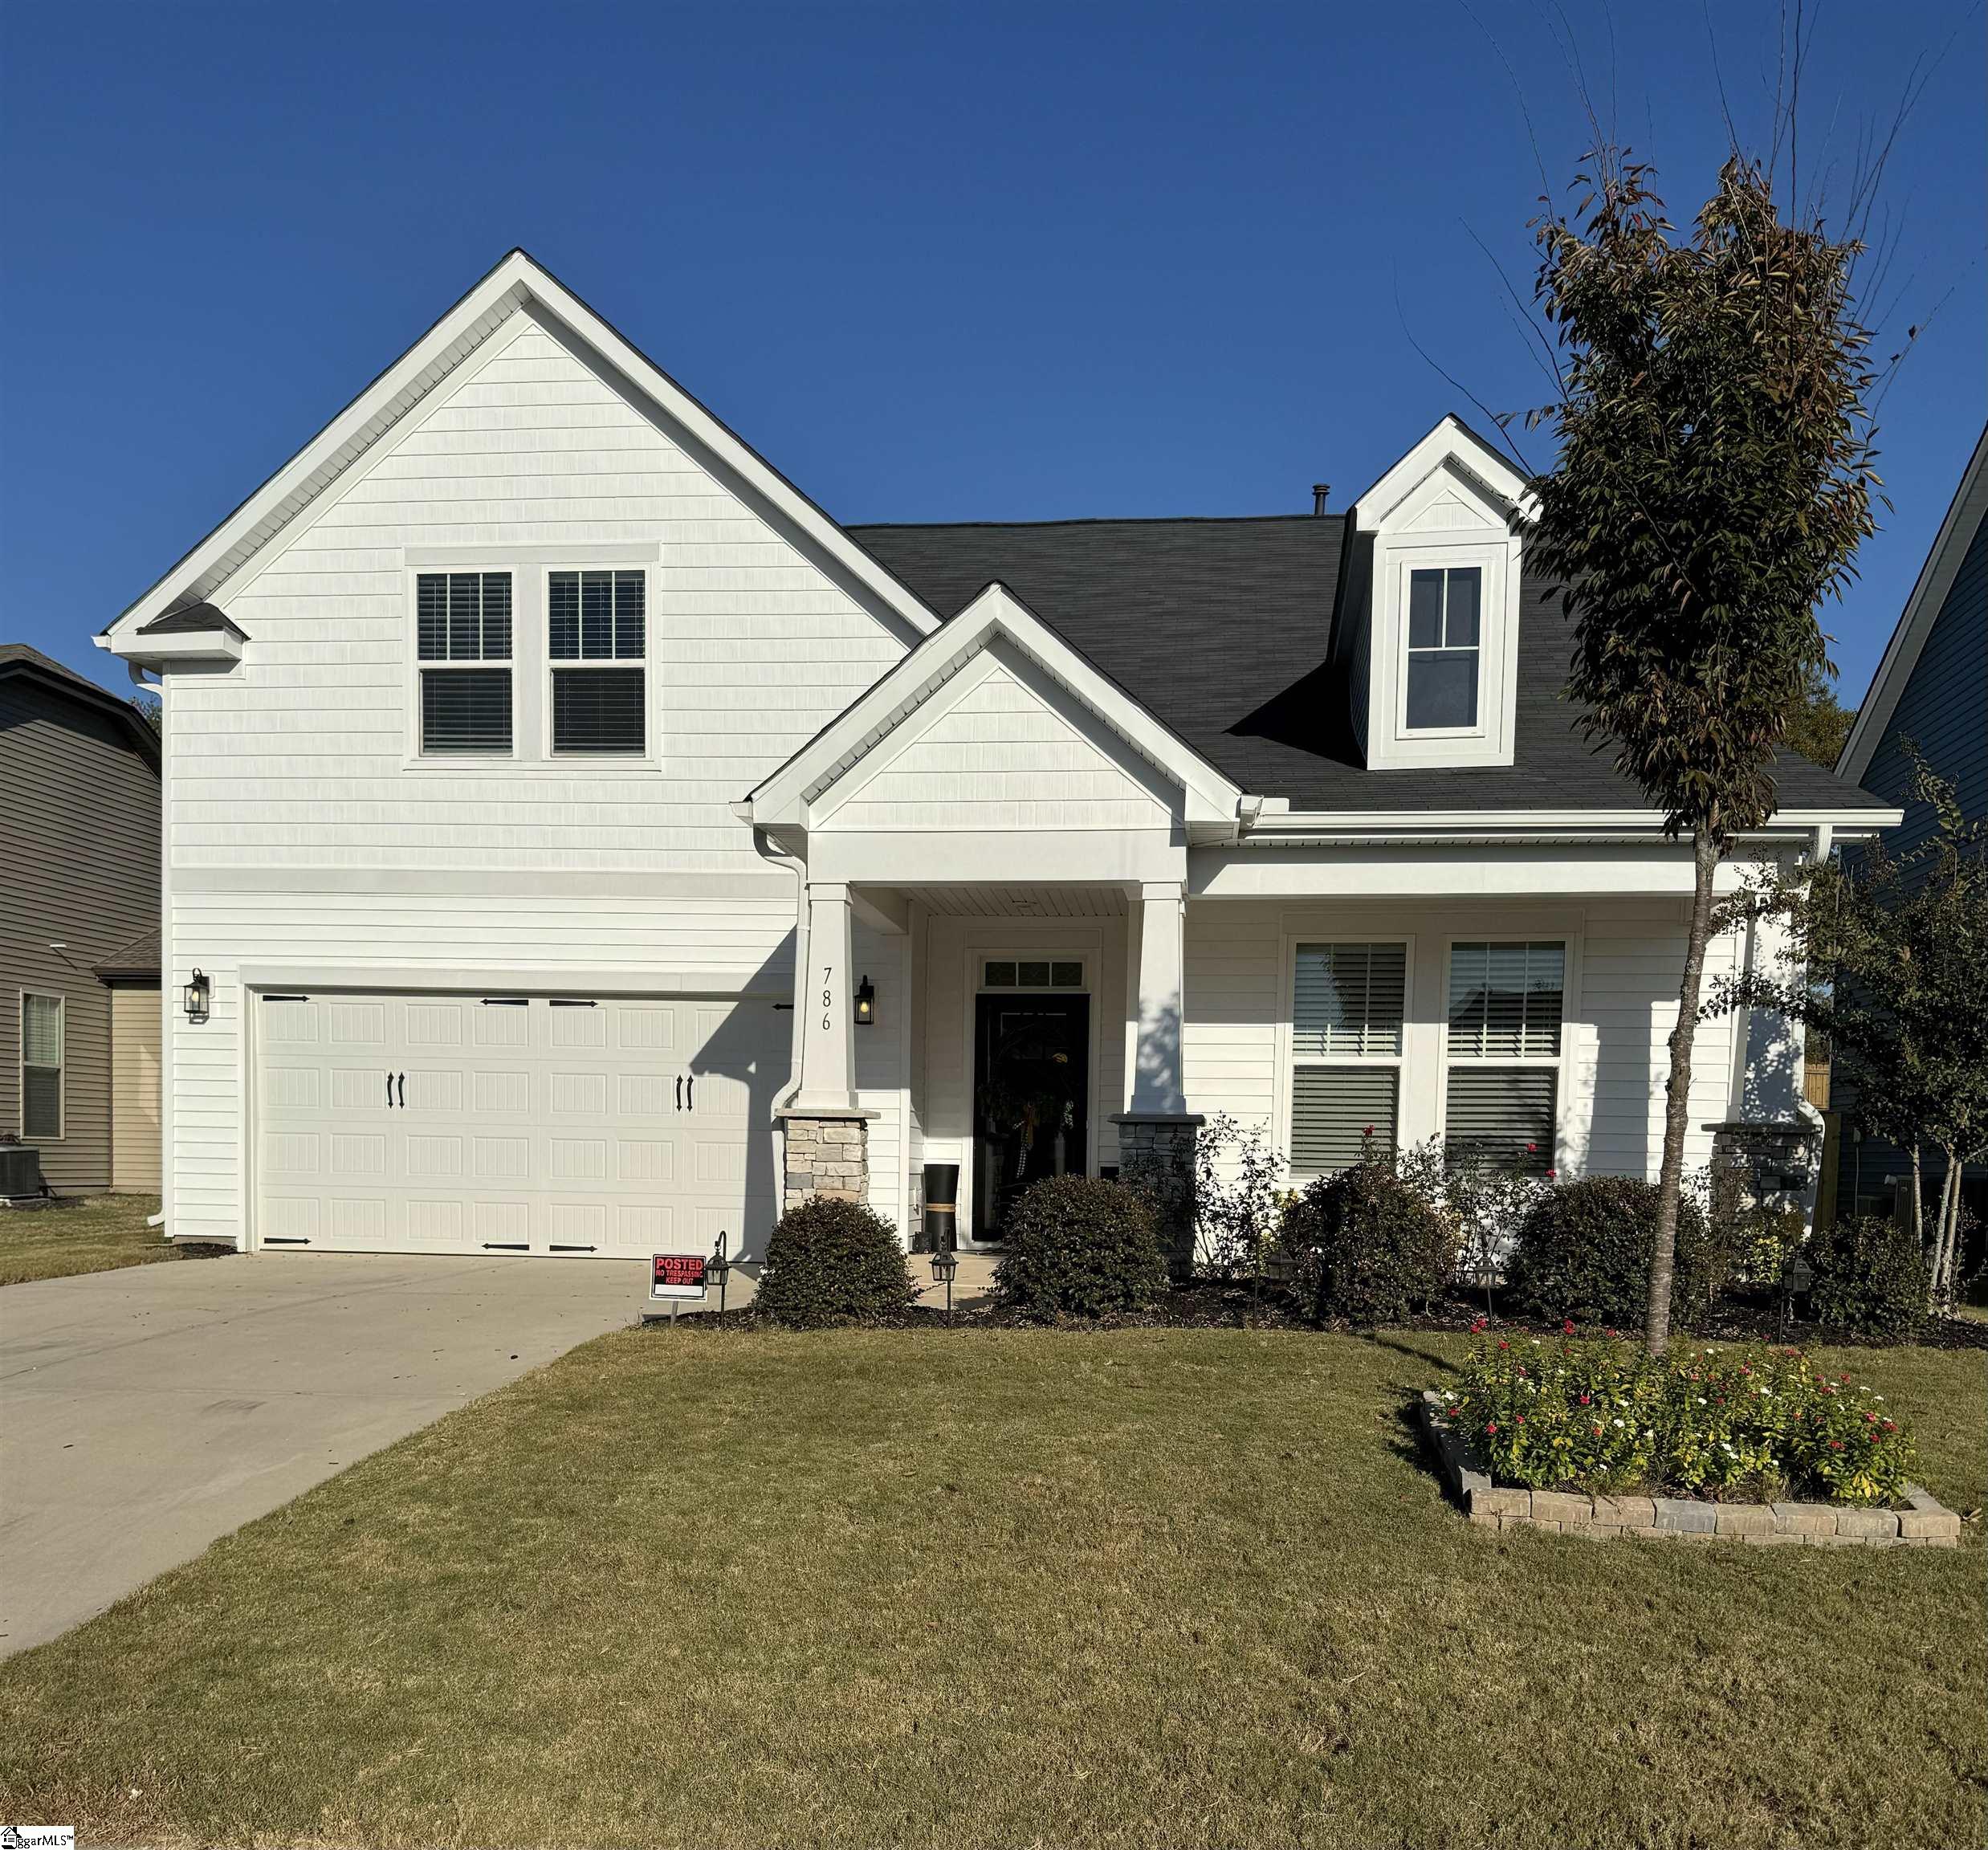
x=1584 y=1252
x=1076 y=1246
x=1870 y=1279
x=831 y=1262
x=1368 y=1246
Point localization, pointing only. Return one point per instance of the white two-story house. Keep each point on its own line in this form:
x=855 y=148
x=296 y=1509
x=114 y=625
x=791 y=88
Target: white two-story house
x=575 y=842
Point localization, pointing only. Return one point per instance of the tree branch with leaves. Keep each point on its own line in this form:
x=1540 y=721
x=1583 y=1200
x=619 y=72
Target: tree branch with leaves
x=1713 y=482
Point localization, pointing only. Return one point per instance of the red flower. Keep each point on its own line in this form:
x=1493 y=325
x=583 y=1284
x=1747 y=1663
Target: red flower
x=1454 y=1412
x=1598 y=1432
x=1491 y=1426
x=1478 y=1327
x=1611 y=1336
x=1836 y=1444
x=1368 y=1131
x=1566 y=1326
x=1504 y=1345
x=1532 y=1149
x=1521 y=1419
x=1551 y=1174
x=1583 y=1399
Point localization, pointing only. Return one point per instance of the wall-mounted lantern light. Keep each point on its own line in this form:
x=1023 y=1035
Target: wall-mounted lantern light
x=195 y=996
x=866 y=1004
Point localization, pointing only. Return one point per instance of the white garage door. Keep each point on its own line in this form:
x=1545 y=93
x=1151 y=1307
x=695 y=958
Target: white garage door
x=585 y=1125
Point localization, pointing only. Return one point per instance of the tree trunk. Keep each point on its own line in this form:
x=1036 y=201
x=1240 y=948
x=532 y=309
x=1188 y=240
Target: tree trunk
x=1941 y=1278
x=1677 y=1094
x=1918 y=1198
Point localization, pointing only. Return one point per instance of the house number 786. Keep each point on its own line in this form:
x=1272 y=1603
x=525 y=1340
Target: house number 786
x=828 y=995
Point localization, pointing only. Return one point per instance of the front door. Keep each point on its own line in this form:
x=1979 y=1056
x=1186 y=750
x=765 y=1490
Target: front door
x=1031 y=1088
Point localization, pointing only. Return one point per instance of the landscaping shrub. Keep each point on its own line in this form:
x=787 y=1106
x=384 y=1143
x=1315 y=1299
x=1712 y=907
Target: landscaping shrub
x=1236 y=1195
x=1368 y=1246
x=1079 y=1247
x=832 y=1262
x=1584 y=1252
x=1749 y=1424
x=1871 y=1279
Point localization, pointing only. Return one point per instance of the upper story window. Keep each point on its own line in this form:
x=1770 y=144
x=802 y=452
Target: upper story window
x=1445 y=609
x=596 y=637
x=463 y=642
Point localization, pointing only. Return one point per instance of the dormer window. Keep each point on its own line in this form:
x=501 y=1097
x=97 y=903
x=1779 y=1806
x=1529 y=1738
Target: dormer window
x=1444 y=636
x=1434 y=648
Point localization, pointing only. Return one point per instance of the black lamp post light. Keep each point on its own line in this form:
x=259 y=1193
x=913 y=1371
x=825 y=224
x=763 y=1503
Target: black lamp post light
x=945 y=1269
x=720 y=1267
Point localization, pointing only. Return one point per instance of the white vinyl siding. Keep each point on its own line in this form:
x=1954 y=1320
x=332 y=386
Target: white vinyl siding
x=1507 y=1001
x=41 y=1035
x=1349 y=1001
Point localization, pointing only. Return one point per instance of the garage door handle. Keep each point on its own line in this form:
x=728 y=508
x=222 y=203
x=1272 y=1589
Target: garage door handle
x=403 y=1091
x=679 y=1091
x=690 y=1093
x=389 y=1091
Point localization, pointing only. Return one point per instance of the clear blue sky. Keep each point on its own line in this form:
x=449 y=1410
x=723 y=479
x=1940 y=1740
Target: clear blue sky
x=988 y=261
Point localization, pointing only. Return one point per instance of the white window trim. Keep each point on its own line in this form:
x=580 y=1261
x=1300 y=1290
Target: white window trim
x=62 y=1072
x=1561 y=1064
x=417 y=756
x=1289 y=1060
x=650 y=754
x=1476 y=728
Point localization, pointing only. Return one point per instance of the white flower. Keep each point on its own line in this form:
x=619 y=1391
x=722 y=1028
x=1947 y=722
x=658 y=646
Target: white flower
x=1618 y=1422
x=1701 y=1399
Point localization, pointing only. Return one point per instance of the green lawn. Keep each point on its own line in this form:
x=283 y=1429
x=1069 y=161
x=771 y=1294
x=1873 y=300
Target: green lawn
x=719 y=1588
x=92 y=1233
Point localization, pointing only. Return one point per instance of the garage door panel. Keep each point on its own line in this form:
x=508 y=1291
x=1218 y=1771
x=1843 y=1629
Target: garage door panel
x=627 y=1127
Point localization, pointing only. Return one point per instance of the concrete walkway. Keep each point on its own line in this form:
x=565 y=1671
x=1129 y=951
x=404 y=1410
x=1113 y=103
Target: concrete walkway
x=145 y=1412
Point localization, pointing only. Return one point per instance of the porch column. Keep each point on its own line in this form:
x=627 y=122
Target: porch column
x=1158 y=1089
x=1156 y=1135
x=826 y=1133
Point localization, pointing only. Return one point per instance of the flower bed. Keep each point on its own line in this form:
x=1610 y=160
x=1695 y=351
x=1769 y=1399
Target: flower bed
x=1601 y=1436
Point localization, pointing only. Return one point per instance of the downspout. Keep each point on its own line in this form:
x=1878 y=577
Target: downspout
x=764 y=845
x=169 y=991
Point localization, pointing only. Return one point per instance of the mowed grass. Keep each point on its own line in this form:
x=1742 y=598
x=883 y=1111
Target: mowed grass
x=991 y=1588
x=93 y=1233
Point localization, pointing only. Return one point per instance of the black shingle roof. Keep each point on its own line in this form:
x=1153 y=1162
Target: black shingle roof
x=1222 y=629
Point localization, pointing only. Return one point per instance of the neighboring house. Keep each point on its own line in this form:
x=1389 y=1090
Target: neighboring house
x=1931 y=689
x=591 y=844
x=78 y=926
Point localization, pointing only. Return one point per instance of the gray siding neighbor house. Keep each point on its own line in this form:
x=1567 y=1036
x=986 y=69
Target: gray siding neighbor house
x=1932 y=689
x=79 y=926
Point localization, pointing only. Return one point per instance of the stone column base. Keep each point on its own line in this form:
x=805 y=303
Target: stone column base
x=1156 y=1154
x=1773 y=1160
x=827 y=1156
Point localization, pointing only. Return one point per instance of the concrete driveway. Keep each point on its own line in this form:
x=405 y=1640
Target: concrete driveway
x=145 y=1412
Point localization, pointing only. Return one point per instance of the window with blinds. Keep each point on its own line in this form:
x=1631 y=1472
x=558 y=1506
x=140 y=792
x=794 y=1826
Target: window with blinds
x=41 y=1067
x=1506 y=1004
x=462 y=640
x=596 y=625
x=1348 y=1001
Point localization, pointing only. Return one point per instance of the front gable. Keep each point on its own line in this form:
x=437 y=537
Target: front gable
x=1002 y=745
x=997 y=723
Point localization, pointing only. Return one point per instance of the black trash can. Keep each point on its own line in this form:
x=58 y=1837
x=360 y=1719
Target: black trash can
x=940 y=1231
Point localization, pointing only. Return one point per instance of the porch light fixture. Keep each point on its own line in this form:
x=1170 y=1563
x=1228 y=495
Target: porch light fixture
x=945 y=1269
x=866 y=1004
x=194 y=996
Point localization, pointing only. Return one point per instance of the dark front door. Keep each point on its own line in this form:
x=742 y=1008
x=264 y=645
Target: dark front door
x=1032 y=1083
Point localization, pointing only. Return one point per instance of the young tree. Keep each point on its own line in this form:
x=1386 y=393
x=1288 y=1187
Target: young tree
x=1888 y=957
x=1713 y=482
x=1820 y=724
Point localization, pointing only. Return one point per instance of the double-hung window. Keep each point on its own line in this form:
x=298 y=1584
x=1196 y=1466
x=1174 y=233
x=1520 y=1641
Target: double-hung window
x=1445 y=633
x=41 y=1066
x=462 y=641
x=596 y=636
x=1506 y=1000
x=1347 y=1004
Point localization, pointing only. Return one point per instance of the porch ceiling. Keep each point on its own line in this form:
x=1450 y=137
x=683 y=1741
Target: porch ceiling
x=1022 y=902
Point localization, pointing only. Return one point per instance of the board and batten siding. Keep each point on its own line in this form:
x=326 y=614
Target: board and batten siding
x=81 y=803
x=301 y=834
x=1626 y=959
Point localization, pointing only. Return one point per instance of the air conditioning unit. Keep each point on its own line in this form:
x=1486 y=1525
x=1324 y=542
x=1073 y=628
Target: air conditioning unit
x=21 y=1173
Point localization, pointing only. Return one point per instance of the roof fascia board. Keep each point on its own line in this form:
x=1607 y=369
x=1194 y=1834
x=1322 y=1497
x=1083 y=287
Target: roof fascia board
x=1922 y=608
x=516 y=280
x=780 y=799
x=1518 y=824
